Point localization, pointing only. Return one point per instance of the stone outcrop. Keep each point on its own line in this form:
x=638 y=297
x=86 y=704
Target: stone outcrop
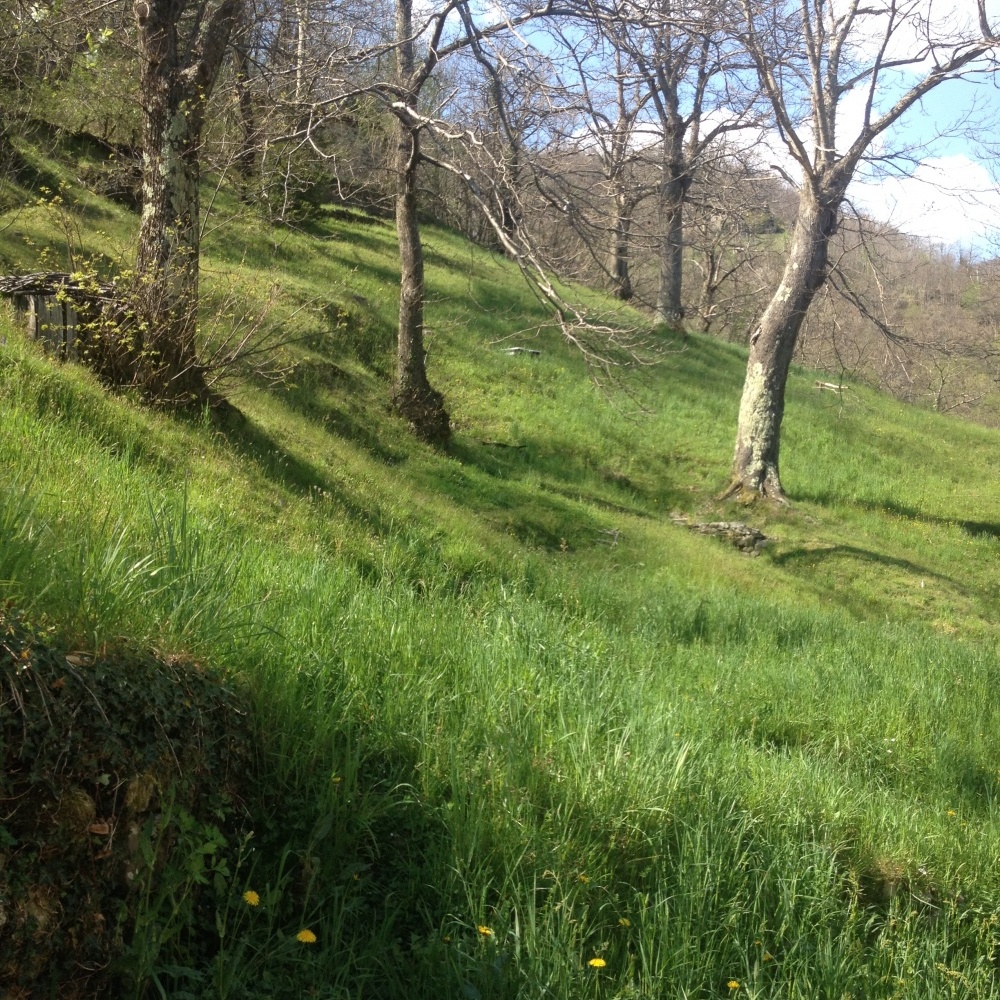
x=742 y=536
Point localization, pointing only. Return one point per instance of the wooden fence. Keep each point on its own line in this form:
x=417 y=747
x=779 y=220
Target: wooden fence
x=52 y=303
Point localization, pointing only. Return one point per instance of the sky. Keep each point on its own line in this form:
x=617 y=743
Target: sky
x=947 y=188
x=951 y=195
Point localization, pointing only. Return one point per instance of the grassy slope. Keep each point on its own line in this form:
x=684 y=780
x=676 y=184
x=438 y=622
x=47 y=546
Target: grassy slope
x=532 y=728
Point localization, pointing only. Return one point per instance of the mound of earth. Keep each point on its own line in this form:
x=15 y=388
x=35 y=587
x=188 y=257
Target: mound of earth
x=120 y=802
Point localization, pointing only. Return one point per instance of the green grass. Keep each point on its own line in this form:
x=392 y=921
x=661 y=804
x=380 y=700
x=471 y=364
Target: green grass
x=475 y=708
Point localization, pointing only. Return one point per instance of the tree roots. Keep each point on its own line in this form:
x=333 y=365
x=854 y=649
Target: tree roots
x=424 y=411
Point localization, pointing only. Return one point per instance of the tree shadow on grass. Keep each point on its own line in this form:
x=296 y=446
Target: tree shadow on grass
x=339 y=245
x=317 y=225
x=803 y=560
x=976 y=784
x=512 y=507
x=791 y=557
x=567 y=509
x=251 y=441
x=975 y=529
x=602 y=487
x=351 y=424
x=298 y=475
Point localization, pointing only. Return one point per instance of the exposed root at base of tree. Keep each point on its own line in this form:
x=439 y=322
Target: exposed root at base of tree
x=165 y=380
x=424 y=411
x=746 y=493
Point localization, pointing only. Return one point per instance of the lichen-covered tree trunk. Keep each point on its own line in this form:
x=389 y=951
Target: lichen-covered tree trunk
x=621 y=239
x=176 y=79
x=758 y=438
x=168 y=258
x=670 y=220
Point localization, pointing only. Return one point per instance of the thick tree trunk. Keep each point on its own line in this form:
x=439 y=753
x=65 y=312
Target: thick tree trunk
x=621 y=238
x=167 y=256
x=670 y=220
x=167 y=262
x=176 y=79
x=755 y=463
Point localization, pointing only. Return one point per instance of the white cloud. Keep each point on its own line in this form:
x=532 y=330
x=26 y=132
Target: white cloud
x=949 y=199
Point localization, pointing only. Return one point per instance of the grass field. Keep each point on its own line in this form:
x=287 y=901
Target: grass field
x=519 y=734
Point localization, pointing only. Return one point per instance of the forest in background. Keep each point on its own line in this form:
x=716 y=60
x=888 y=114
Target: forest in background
x=590 y=143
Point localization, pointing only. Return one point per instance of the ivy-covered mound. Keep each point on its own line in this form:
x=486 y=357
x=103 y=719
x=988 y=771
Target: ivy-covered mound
x=120 y=803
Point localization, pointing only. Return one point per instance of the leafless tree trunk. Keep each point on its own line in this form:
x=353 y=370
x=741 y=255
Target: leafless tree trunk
x=684 y=64
x=621 y=244
x=412 y=395
x=249 y=128
x=674 y=184
x=618 y=155
x=505 y=136
x=817 y=45
x=176 y=78
x=773 y=344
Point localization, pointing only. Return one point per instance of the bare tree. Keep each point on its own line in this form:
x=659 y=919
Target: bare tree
x=602 y=101
x=690 y=70
x=729 y=242
x=619 y=157
x=808 y=57
x=916 y=322
x=412 y=394
x=418 y=48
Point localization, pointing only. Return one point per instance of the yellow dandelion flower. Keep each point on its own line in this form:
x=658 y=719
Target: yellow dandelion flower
x=306 y=936
x=251 y=898
x=484 y=930
x=951 y=812
x=767 y=956
x=624 y=922
x=597 y=963
x=733 y=984
x=584 y=878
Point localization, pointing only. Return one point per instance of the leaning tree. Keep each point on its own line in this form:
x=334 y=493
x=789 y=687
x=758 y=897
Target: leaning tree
x=809 y=56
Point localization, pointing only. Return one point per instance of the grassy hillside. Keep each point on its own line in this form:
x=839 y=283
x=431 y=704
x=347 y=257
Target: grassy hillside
x=518 y=733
